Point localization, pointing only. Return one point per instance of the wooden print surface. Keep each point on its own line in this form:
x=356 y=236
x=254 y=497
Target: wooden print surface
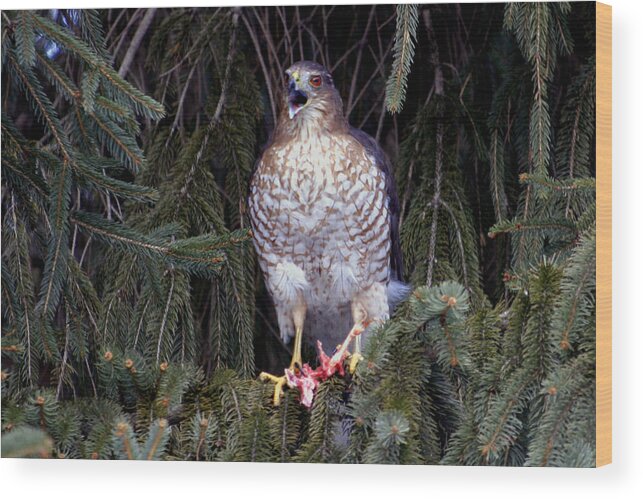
x=330 y=234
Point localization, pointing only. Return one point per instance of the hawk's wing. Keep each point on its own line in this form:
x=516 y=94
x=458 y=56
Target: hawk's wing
x=383 y=163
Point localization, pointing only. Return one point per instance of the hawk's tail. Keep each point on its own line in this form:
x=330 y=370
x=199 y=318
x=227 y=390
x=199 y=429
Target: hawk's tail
x=330 y=325
x=396 y=291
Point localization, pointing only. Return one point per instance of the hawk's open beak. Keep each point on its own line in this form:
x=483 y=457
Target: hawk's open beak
x=297 y=99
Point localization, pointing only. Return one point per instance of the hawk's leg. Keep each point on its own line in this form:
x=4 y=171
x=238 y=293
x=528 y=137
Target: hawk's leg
x=298 y=316
x=341 y=352
x=368 y=307
x=360 y=320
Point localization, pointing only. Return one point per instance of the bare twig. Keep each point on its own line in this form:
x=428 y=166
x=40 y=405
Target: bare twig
x=272 y=51
x=358 y=63
x=299 y=37
x=262 y=63
x=198 y=43
x=286 y=37
x=114 y=24
x=458 y=231
x=121 y=39
x=379 y=69
x=439 y=157
x=439 y=148
x=136 y=41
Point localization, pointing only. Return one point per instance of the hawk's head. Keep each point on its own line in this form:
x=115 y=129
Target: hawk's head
x=310 y=90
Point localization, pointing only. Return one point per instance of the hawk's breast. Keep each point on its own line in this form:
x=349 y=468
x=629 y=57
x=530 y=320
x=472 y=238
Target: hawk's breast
x=321 y=204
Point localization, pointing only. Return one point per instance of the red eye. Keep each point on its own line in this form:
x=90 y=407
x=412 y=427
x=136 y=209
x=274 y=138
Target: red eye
x=315 y=81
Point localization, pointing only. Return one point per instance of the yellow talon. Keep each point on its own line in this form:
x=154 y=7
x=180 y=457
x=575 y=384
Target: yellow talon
x=295 y=363
x=356 y=358
x=279 y=382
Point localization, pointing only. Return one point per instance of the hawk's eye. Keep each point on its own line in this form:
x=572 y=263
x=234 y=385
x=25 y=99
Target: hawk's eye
x=315 y=81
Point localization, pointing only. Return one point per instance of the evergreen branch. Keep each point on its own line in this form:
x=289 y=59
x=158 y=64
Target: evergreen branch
x=25 y=39
x=564 y=41
x=43 y=106
x=120 y=144
x=53 y=275
x=433 y=234
x=496 y=177
x=404 y=50
x=91 y=31
x=206 y=242
x=64 y=38
x=89 y=173
x=113 y=109
x=98 y=225
x=319 y=444
x=540 y=351
x=570 y=184
x=509 y=227
x=26 y=442
x=577 y=123
x=182 y=253
x=540 y=133
x=165 y=314
x=144 y=105
x=391 y=430
x=125 y=442
x=24 y=287
x=11 y=135
x=57 y=77
x=501 y=426
x=459 y=238
x=453 y=356
x=89 y=89
x=10 y=298
x=443 y=307
x=83 y=293
x=156 y=440
x=216 y=117
x=35 y=181
x=532 y=24
x=579 y=280
x=84 y=135
x=569 y=387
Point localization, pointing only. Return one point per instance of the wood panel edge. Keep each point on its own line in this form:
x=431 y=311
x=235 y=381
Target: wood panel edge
x=603 y=234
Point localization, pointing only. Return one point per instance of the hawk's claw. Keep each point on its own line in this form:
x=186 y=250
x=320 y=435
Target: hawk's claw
x=305 y=379
x=279 y=382
x=356 y=358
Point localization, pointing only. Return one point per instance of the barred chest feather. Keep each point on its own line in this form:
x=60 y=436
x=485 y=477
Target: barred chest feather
x=320 y=204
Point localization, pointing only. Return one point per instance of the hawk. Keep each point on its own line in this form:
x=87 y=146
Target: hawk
x=324 y=215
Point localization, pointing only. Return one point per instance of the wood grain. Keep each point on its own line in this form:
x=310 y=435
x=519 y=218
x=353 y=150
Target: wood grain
x=603 y=234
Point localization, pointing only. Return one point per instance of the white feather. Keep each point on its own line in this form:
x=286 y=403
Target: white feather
x=287 y=282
